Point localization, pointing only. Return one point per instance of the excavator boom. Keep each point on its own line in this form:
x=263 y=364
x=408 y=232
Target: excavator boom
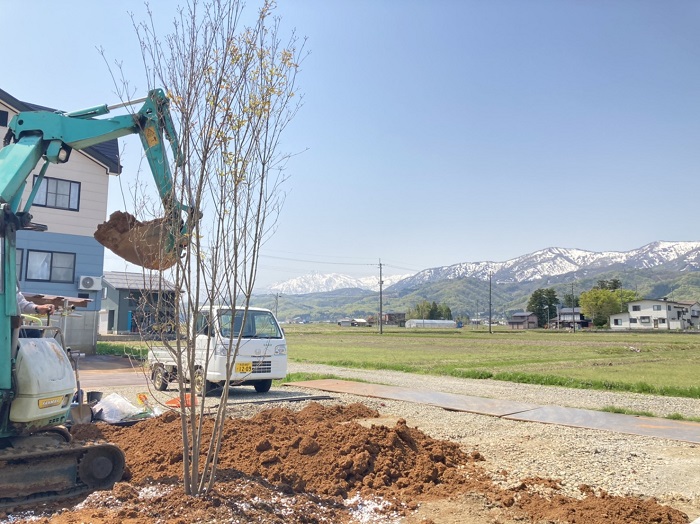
x=38 y=462
x=156 y=244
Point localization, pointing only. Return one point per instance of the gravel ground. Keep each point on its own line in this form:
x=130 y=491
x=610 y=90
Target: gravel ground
x=617 y=463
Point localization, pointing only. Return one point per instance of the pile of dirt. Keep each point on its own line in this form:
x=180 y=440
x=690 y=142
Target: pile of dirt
x=320 y=465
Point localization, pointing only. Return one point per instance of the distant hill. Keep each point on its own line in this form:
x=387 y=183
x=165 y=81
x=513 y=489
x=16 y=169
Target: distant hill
x=659 y=269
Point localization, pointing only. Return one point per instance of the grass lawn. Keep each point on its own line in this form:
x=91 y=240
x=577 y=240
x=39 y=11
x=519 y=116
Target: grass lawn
x=662 y=363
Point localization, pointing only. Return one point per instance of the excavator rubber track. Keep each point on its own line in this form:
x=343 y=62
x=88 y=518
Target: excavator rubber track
x=36 y=474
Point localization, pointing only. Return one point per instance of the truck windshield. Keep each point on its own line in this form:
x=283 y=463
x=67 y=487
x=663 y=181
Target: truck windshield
x=259 y=324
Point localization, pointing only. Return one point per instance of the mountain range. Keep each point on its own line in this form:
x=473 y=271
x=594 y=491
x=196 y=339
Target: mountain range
x=657 y=269
x=549 y=262
x=321 y=283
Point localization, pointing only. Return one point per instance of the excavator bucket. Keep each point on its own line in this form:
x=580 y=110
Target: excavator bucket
x=147 y=244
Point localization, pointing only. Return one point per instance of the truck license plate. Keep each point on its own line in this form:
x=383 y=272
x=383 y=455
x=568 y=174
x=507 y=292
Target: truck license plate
x=244 y=367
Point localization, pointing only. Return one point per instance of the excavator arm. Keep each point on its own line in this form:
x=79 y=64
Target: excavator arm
x=42 y=134
x=36 y=382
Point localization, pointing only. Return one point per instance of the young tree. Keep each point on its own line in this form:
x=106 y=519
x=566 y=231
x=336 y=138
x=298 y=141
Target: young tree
x=599 y=303
x=543 y=302
x=232 y=88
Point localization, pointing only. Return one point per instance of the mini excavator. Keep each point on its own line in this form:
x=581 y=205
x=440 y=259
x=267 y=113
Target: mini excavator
x=39 y=462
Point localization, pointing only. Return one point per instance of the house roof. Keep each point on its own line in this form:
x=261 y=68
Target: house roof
x=659 y=300
x=524 y=314
x=106 y=153
x=124 y=280
x=568 y=310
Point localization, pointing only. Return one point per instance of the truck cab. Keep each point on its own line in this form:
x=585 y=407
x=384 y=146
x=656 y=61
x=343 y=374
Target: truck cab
x=261 y=355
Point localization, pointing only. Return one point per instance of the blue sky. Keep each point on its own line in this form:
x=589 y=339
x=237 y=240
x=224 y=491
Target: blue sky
x=438 y=132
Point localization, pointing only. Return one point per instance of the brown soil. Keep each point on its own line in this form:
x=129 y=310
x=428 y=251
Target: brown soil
x=320 y=465
x=141 y=243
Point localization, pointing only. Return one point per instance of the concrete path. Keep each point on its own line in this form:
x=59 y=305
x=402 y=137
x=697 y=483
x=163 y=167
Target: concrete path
x=512 y=410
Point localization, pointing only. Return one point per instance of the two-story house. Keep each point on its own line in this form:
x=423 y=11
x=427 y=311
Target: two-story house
x=570 y=318
x=524 y=320
x=66 y=260
x=657 y=314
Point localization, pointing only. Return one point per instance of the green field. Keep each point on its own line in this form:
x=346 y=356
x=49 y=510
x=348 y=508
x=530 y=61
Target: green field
x=661 y=363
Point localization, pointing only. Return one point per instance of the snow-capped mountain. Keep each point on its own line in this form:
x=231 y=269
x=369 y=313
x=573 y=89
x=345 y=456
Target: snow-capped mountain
x=545 y=263
x=555 y=261
x=319 y=283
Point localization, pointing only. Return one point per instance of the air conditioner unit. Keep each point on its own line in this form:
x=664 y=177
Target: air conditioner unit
x=90 y=283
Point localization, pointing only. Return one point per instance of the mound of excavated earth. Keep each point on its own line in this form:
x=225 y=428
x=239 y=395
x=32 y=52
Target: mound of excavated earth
x=320 y=464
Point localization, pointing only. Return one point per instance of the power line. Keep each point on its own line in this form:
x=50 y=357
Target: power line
x=316 y=261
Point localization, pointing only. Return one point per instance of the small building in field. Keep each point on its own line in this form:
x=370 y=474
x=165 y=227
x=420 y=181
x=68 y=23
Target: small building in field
x=394 y=319
x=432 y=324
x=524 y=320
x=353 y=322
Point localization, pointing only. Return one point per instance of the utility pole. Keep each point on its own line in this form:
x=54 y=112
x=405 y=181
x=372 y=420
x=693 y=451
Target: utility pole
x=381 y=283
x=573 y=307
x=490 y=275
x=277 y=296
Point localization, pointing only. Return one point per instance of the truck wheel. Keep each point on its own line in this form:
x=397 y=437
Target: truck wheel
x=160 y=378
x=201 y=385
x=263 y=386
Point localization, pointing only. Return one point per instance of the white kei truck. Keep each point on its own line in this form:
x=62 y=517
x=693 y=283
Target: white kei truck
x=262 y=354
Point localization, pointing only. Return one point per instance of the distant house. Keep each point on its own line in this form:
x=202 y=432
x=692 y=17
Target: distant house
x=431 y=324
x=657 y=314
x=136 y=302
x=570 y=318
x=394 y=319
x=353 y=322
x=525 y=320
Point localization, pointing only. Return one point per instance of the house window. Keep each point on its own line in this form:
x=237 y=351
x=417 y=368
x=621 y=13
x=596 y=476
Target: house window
x=617 y=322
x=662 y=321
x=3 y=118
x=57 y=193
x=633 y=320
x=50 y=266
x=18 y=261
x=645 y=320
x=636 y=308
x=669 y=308
x=104 y=292
x=657 y=307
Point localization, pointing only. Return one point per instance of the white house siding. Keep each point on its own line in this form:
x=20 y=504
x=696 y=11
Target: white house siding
x=94 y=184
x=623 y=320
x=665 y=316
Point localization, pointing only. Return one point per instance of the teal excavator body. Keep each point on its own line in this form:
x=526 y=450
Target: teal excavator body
x=38 y=461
